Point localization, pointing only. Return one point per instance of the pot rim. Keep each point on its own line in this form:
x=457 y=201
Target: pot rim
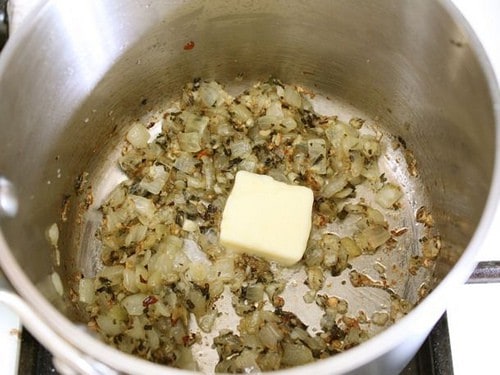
x=432 y=306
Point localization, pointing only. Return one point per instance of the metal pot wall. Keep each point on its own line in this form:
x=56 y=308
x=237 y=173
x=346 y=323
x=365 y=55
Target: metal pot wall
x=77 y=73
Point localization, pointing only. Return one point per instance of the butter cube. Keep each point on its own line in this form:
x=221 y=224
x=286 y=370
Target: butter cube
x=267 y=218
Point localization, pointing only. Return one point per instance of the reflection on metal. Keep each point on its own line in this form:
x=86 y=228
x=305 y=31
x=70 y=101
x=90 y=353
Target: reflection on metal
x=8 y=199
x=3 y=23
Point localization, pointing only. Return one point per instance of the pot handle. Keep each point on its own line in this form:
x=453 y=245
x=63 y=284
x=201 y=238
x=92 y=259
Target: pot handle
x=67 y=359
x=485 y=272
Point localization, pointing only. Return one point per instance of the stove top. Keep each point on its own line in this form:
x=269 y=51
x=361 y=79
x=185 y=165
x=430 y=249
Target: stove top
x=459 y=344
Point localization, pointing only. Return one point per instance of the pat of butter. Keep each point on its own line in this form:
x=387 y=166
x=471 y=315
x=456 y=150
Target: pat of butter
x=267 y=218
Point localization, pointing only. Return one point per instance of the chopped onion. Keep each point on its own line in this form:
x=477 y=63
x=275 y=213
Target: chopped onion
x=197 y=303
x=278 y=175
x=242 y=114
x=241 y=148
x=134 y=304
x=380 y=318
x=388 y=195
x=129 y=280
x=53 y=237
x=207 y=321
x=117 y=196
x=246 y=361
x=255 y=293
x=371 y=172
x=317 y=155
x=270 y=335
x=153 y=339
x=292 y=97
x=197 y=273
x=275 y=110
x=224 y=269
x=53 y=234
x=189 y=225
x=138 y=136
x=288 y=124
x=86 y=290
x=115 y=219
x=137 y=329
x=57 y=283
x=315 y=277
x=144 y=207
x=185 y=163
x=249 y=164
x=371 y=147
x=136 y=234
x=357 y=163
x=190 y=142
x=373 y=237
x=114 y=274
x=267 y=122
x=210 y=94
x=194 y=123
x=193 y=252
x=173 y=243
x=374 y=216
x=296 y=354
x=431 y=247
x=351 y=247
x=334 y=185
x=224 y=130
x=208 y=172
x=109 y=325
x=154 y=180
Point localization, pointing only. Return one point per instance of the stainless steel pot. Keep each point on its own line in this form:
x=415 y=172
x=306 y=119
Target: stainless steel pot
x=77 y=72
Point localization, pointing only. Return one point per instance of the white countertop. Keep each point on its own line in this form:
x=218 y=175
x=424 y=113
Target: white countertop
x=10 y=332
x=484 y=17
x=473 y=310
x=473 y=341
